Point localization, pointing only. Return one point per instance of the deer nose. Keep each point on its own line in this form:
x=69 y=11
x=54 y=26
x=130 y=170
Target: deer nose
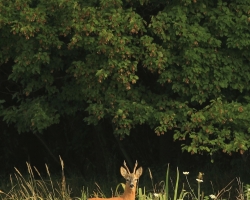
x=131 y=185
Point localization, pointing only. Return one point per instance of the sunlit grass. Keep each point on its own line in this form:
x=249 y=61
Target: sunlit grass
x=189 y=193
x=38 y=188
x=34 y=186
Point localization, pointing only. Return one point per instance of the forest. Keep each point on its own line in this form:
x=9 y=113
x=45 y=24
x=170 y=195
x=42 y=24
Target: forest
x=92 y=83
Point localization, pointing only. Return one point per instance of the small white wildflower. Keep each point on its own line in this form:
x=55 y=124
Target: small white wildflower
x=156 y=195
x=185 y=173
x=212 y=196
x=199 y=180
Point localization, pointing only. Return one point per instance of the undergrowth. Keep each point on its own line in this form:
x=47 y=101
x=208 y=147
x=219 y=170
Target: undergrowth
x=34 y=186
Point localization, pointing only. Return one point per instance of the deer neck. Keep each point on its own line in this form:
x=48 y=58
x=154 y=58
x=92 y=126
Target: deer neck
x=129 y=194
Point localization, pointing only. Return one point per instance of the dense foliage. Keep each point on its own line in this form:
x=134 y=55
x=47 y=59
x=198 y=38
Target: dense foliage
x=177 y=66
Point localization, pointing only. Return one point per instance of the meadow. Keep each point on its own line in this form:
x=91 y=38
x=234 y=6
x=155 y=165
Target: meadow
x=175 y=185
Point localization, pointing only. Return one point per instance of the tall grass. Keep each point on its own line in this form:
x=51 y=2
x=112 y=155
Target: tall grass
x=38 y=189
x=189 y=193
x=35 y=187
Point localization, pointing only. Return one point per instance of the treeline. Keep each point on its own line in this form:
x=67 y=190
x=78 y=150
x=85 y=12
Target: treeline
x=103 y=81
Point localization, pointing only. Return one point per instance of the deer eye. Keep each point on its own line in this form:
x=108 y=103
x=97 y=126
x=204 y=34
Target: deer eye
x=127 y=180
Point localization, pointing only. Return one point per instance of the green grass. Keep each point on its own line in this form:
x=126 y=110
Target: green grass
x=29 y=187
x=34 y=186
x=239 y=190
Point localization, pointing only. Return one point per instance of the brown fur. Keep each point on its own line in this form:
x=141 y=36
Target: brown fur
x=131 y=182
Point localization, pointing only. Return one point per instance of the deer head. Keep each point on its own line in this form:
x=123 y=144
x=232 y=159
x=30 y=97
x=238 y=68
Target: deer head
x=131 y=178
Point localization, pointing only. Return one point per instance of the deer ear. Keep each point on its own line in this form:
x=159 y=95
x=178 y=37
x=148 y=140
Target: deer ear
x=124 y=172
x=138 y=172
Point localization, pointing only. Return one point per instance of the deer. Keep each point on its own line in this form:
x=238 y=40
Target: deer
x=131 y=182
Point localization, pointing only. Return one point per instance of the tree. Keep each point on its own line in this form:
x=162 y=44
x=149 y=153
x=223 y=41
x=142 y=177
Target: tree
x=177 y=66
